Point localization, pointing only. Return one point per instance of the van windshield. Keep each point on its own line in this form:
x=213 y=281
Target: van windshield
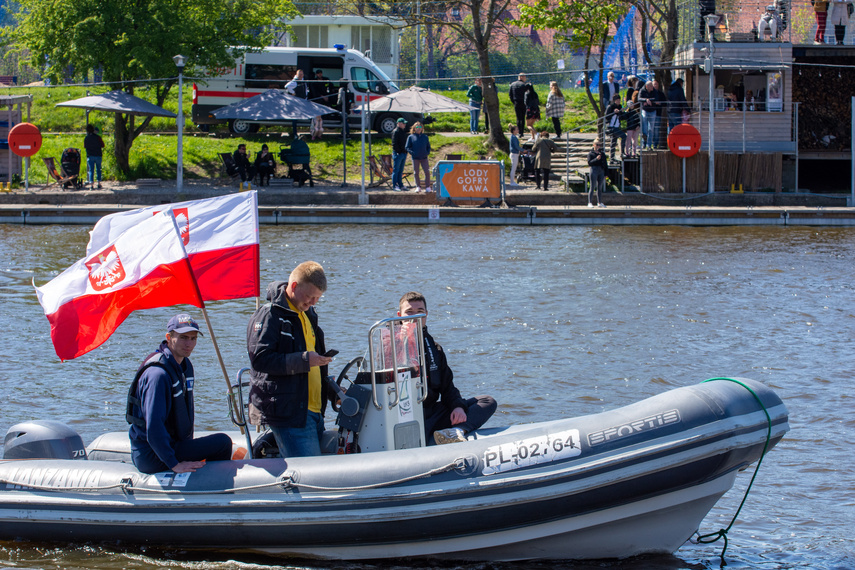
x=366 y=80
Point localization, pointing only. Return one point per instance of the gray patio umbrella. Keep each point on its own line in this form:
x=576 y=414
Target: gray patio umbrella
x=118 y=102
x=271 y=106
x=418 y=100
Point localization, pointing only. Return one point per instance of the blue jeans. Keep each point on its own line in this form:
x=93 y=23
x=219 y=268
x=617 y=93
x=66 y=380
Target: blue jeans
x=300 y=442
x=650 y=129
x=93 y=164
x=674 y=119
x=398 y=162
x=474 y=116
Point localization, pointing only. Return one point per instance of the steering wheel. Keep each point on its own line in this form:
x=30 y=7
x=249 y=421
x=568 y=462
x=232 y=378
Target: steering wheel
x=343 y=376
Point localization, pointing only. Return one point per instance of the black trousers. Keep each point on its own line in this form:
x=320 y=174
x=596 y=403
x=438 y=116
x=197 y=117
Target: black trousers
x=214 y=447
x=541 y=173
x=478 y=410
x=519 y=109
x=246 y=174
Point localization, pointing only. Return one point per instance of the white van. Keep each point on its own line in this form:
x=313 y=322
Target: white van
x=273 y=67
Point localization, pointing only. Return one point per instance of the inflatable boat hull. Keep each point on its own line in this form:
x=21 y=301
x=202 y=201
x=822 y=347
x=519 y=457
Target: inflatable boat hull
x=634 y=480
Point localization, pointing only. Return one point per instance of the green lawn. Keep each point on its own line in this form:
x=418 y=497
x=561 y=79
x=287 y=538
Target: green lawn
x=153 y=154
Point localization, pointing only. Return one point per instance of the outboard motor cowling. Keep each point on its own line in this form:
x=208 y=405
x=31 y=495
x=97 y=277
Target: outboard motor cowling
x=43 y=439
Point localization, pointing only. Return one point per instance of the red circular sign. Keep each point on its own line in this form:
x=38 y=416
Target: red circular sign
x=684 y=140
x=25 y=139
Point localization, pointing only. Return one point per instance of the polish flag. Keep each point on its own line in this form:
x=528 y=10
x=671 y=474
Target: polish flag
x=220 y=235
x=144 y=268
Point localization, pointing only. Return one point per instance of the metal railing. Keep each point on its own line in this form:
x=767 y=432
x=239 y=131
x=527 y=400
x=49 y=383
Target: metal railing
x=740 y=21
x=749 y=126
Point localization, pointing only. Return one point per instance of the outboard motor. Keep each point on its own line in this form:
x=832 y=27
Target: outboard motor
x=390 y=388
x=43 y=440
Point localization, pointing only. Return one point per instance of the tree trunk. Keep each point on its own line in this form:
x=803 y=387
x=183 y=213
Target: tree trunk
x=122 y=144
x=491 y=100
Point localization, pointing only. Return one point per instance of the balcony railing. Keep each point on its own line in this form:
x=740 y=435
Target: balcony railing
x=740 y=21
x=748 y=127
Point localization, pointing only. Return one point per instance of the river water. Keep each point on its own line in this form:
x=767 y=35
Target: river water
x=553 y=322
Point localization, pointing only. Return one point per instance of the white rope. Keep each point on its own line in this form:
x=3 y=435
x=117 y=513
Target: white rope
x=286 y=482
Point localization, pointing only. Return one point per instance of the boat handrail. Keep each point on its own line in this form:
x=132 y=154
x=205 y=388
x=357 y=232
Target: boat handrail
x=422 y=384
x=238 y=410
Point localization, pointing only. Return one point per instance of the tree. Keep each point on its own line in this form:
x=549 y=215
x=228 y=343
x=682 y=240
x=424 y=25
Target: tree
x=132 y=42
x=584 y=24
x=663 y=18
x=474 y=23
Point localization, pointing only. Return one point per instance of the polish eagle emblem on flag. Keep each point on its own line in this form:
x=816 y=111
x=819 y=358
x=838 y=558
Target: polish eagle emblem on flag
x=105 y=269
x=182 y=218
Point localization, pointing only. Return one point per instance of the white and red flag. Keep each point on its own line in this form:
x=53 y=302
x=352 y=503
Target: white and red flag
x=220 y=235
x=144 y=268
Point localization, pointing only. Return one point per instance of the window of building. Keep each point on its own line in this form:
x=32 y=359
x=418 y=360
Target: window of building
x=310 y=36
x=374 y=41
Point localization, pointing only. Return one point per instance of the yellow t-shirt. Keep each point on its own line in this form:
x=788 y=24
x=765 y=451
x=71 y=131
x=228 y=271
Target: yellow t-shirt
x=314 y=371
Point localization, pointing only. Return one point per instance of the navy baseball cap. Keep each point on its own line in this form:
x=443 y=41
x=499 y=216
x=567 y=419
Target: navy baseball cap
x=182 y=323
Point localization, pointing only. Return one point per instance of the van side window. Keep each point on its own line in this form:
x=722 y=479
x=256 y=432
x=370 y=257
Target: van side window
x=267 y=76
x=365 y=80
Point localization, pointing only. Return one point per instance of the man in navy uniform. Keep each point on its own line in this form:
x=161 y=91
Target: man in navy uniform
x=161 y=411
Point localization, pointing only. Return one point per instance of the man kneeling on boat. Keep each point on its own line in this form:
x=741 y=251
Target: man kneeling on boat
x=448 y=416
x=160 y=408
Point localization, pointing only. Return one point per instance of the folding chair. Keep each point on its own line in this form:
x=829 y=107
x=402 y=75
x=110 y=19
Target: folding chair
x=57 y=177
x=379 y=172
x=389 y=167
x=229 y=167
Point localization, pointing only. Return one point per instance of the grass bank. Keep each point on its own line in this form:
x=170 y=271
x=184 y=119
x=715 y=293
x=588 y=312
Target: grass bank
x=154 y=154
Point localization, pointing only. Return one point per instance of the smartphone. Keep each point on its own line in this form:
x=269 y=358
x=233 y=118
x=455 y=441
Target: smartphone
x=330 y=353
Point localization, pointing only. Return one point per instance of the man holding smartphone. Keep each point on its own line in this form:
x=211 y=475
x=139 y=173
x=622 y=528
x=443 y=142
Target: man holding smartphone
x=286 y=352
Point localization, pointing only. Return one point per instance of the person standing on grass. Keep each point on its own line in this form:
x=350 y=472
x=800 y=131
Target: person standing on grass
x=418 y=145
x=94 y=146
x=399 y=154
x=532 y=109
x=555 y=106
x=476 y=97
x=517 y=95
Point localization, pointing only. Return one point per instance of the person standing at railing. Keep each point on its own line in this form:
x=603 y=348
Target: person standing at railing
x=677 y=104
x=649 y=111
x=839 y=18
x=633 y=125
x=820 y=11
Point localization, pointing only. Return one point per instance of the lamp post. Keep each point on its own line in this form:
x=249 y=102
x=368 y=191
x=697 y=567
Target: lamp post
x=712 y=20
x=179 y=177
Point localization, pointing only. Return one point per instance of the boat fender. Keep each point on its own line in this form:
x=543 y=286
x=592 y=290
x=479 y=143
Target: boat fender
x=154 y=359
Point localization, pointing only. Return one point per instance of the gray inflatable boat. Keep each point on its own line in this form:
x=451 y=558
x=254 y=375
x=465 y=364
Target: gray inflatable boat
x=638 y=479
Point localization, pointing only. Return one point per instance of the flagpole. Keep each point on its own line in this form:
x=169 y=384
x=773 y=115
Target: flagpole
x=232 y=403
